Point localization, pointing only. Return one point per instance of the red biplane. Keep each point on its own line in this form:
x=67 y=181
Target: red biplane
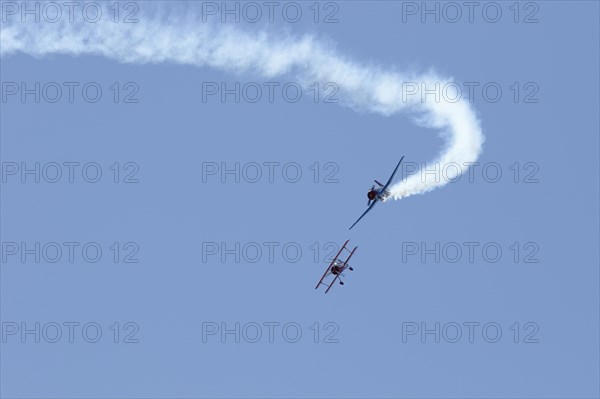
x=336 y=268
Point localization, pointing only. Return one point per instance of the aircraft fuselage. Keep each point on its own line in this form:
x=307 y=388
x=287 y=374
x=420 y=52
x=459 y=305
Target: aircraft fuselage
x=378 y=194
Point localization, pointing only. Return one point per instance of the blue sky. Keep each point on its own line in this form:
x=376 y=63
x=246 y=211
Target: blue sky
x=177 y=292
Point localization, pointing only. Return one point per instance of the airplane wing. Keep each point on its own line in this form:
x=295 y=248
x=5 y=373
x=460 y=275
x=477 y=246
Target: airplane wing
x=331 y=284
x=392 y=176
x=361 y=216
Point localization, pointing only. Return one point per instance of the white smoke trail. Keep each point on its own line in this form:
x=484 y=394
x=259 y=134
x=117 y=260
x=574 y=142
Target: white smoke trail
x=183 y=39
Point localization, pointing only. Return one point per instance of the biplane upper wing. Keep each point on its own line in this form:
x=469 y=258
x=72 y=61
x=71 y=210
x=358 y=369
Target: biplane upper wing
x=361 y=216
x=392 y=176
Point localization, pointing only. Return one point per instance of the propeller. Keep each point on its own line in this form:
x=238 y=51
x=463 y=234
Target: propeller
x=370 y=200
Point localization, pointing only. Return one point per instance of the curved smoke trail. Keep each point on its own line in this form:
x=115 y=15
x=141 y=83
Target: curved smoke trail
x=182 y=39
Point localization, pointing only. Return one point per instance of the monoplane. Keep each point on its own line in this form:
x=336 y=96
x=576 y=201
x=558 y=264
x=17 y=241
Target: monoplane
x=380 y=193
